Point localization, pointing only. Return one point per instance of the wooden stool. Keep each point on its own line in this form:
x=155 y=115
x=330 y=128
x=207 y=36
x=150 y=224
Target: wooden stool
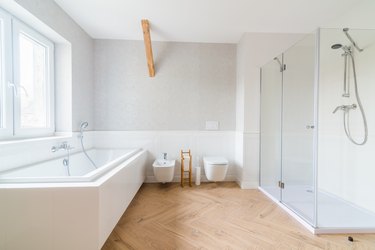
x=186 y=155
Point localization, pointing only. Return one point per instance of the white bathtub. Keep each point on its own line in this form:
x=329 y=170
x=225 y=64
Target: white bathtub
x=80 y=168
x=44 y=208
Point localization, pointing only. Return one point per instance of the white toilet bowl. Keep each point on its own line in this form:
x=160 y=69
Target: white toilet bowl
x=215 y=168
x=164 y=170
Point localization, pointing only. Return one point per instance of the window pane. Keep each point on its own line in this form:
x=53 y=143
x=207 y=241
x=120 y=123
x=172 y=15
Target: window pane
x=33 y=86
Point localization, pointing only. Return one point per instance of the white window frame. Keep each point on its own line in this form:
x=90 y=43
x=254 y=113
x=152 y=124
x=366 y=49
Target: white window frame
x=18 y=28
x=6 y=94
x=11 y=129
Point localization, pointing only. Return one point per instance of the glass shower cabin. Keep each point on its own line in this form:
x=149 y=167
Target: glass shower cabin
x=317 y=108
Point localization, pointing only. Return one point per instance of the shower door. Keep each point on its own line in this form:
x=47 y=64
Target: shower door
x=298 y=126
x=270 y=127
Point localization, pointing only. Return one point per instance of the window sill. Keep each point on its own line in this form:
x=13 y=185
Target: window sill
x=57 y=136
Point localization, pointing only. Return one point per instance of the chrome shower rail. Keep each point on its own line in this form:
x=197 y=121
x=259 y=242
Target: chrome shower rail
x=346 y=31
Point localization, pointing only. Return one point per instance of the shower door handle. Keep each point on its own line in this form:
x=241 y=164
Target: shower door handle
x=310 y=126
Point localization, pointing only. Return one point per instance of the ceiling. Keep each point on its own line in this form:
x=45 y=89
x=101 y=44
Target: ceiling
x=215 y=21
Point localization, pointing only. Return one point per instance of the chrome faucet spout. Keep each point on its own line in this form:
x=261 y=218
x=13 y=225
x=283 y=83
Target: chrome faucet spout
x=345 y=108
x=337 y=108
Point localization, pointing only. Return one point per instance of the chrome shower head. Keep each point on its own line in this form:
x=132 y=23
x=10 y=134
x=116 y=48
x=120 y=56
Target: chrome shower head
x=347 y=49
x=336 y=46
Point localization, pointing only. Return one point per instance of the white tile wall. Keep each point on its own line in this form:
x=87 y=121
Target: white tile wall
x=344 y=169
x=201 y=143
x=16 y=154
x=247 y=160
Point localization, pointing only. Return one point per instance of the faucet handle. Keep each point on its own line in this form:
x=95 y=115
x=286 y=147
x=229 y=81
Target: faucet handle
x=165 y=156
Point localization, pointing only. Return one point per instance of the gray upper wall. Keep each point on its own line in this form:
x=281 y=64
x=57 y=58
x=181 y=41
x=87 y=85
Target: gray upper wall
x=82 y=56
x=194 y=83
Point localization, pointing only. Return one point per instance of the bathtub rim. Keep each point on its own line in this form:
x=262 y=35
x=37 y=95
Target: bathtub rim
x=95 y=182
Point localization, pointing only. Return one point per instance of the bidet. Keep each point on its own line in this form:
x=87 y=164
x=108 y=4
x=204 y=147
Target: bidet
x=164 y=170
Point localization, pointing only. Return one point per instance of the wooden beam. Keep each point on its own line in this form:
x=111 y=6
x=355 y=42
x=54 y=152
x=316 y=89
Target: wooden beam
x=148 y=47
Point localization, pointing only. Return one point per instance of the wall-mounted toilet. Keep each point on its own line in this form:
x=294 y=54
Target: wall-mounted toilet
x=215 y=168
x=164 y=170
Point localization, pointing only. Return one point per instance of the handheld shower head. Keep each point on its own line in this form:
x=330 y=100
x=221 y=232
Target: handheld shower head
x=80 y=136
x=84 y=125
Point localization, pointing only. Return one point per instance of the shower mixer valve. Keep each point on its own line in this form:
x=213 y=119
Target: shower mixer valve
x=345 y=108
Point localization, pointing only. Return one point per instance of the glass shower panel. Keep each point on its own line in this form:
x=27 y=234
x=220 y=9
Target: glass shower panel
x=346 y=171
x=298 y=128
x=270 y=147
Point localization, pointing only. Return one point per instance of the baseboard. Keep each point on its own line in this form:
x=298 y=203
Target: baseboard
x=238 y=182
x=151 y=179
x=248 y=184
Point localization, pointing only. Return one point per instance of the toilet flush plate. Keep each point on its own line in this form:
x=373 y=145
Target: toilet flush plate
x=212 y=125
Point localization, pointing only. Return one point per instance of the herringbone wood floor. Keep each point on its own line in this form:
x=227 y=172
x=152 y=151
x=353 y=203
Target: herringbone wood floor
x=215 y=216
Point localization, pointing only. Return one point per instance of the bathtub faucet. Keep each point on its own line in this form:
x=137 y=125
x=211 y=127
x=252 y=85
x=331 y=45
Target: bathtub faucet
x=62 y=146
x=66 y=161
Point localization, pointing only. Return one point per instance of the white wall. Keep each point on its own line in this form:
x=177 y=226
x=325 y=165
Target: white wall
x=253 y=51
x=201 y=143
x=21 y=153
x=82 y=55
x=194 y=83
x=360 y=16
x=345 y=169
